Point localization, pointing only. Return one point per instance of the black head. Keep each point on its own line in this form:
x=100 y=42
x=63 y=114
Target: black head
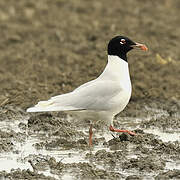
x=120 y=46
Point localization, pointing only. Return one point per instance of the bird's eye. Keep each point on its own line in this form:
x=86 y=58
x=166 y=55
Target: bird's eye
x=123 y=41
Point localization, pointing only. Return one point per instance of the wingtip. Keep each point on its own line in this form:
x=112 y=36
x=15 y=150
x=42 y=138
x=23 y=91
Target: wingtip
x=29 y=110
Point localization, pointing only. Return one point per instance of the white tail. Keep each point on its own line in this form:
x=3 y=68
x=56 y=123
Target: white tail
x=57 y=103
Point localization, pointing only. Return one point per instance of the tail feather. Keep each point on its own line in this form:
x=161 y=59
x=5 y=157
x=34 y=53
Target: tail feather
x=44 y=103
x=51 y=105
x=42 y=109
x=62 y=102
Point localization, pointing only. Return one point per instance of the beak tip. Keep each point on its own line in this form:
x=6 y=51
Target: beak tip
x=141 y=46
x=144 y=48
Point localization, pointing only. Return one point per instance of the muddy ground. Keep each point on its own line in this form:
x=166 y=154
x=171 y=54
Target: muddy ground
x=50 y=47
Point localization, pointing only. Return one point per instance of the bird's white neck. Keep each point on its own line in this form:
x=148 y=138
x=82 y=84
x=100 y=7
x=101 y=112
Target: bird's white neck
x=117 y=69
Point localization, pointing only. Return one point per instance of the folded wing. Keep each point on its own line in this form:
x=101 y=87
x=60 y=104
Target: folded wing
x=93 y=95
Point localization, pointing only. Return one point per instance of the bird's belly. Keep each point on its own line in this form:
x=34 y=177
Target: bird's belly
x=112 y=107
x=86 y=114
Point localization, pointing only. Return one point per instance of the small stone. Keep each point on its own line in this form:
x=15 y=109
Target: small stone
x=124 y=137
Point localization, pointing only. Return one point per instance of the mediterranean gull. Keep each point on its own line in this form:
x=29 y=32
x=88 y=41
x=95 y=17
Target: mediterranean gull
x=101 y=98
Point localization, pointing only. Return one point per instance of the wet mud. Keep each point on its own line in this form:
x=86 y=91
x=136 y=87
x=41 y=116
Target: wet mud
x=58 y=149
x=49 y=48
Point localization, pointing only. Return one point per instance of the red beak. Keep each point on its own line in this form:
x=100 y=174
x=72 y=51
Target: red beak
x=141 y=46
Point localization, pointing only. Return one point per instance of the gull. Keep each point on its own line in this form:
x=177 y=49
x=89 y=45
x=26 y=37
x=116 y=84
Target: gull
x=103 y=97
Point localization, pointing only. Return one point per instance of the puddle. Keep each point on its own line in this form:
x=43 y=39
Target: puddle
x=48 y=173
x=164 y=136
x=10 y=160
x=16 y=160
x=24 y=150
x=171 y=165
x=11 y=125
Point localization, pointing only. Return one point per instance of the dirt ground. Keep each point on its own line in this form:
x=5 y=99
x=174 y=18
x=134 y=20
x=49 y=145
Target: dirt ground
x=49 y=47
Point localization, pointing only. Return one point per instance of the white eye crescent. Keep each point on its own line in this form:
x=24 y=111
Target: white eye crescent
x=123 y=41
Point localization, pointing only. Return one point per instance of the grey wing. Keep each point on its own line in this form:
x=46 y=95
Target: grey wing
x=96 y=95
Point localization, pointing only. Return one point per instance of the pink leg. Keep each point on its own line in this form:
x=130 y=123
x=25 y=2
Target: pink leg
x=90 y=135
x=118 y=130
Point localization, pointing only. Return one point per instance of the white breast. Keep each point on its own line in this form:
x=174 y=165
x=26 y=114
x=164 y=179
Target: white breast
x=117 y=70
